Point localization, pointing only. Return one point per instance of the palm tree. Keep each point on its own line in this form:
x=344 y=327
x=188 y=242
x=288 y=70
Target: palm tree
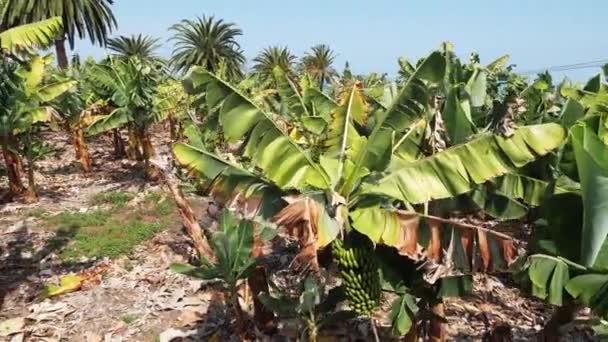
x=81 y=18
x=140 y=46
x=318 y=63
x=207 y=42
x=273 y=57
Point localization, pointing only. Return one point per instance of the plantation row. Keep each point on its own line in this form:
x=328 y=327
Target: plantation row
x=398 y=180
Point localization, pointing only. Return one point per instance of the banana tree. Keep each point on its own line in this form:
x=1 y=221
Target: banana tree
x=133 y=87
x=570 y=267
x=358 y=183
x=173 y=101
x=25 y=98
x=78 y=108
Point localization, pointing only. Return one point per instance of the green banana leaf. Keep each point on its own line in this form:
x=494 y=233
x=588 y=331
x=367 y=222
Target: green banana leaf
x=321 y=104
x=409 y=106
x=40 y=34
x=290 y=95
x=231 y=185
x=586 y=286
x=476 y=88
x=269 y=147
x=342 y=134
x=498 y=64
x=457 y=169
x=549 y=276
x=116 y=119
x=457 y=117
x=592 y=162
x=50 y=92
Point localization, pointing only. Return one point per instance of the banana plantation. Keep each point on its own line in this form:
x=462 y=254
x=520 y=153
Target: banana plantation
x=337 y=206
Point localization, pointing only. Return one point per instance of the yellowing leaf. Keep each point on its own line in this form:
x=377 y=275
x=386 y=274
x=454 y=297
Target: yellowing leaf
x=68 y=283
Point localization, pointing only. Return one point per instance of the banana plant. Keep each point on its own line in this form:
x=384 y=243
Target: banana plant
x=24 y=105
x=175 y=105
x=78 y=108
x=313 y=309
x=133 y=88
x=357 y=182
x=232 y=246
x=569 y=267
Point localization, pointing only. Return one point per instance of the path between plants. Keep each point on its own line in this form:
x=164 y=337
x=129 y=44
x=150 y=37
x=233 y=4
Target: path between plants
x=136 y=297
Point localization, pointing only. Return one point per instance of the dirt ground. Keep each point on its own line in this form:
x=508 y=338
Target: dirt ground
x=137 y=298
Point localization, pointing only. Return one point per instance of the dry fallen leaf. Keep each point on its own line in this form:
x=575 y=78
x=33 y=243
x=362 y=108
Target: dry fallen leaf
x=12 y=326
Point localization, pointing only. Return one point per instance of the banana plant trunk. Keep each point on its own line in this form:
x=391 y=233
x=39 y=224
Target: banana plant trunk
x=133 y=150
x=82 y=150
x=62 y=56
x=437 y=330
x=172 y=127
x=152 y=172
x=563 y=315
x=13 y=166
x=31 y=195
x=189 y=220
x=119 y=144
x=258 y=283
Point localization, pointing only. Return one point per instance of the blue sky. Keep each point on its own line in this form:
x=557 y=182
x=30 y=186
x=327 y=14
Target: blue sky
x=371 y=35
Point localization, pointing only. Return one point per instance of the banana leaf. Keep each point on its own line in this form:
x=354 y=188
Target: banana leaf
x=456 y=170
x=40 y=34
x=231 y=185
x=452 y=247
x=268 y=146
x=592 y=162
x=409 y=106
x=118 y=118
x=549 y=276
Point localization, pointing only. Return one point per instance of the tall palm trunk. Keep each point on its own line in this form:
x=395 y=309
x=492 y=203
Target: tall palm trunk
x=82 y=151
x=119 y=144
x=62 y=56
x=13 y=167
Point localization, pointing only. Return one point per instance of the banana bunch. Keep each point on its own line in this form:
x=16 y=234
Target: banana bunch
x=359 y=271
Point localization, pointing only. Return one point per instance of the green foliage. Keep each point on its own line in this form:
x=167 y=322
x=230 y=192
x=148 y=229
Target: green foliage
x=139 y=46
x=25 y=95
x=232 y=247
x=116 y=198
x=132 y=88
x=455 y=170
x=592 y=161
x=314 y=307
x=403 y=311
x=129 y=318
x=81 y=18
x=207 y=42
x=272 y=58
x=72 y=219
x=110 y=240
x=40 y=34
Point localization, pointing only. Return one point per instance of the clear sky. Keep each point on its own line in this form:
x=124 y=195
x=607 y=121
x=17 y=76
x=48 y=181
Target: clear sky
x=371 y=35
